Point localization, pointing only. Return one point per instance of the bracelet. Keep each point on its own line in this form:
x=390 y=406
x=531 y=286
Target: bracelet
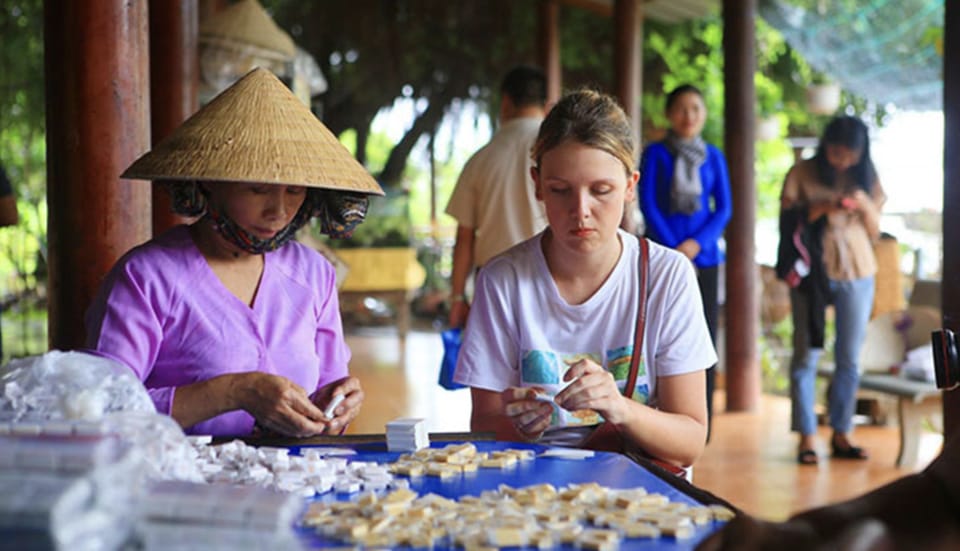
x=459 y=298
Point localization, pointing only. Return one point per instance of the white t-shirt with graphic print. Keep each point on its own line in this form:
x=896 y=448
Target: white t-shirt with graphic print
x=521 y=332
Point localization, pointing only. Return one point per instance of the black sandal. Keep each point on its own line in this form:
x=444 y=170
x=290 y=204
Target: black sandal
x=849 y=452
x=807 y=457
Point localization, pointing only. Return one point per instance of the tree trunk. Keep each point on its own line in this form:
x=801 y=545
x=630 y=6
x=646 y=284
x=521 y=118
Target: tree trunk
x=427 y=121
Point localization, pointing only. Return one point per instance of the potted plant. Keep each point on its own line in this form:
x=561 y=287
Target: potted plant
x=823 y=95
x=769 y=107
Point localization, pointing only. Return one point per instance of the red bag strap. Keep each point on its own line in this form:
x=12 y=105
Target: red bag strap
x=641 y=320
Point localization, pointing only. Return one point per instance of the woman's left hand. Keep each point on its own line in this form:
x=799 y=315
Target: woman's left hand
x=592 y=387
x=530 y=417
x=347 y=410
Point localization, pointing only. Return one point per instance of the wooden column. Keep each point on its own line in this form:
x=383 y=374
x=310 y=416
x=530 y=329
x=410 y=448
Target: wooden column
x=741 y=308
x=627 y=58
x=97 y=102
x=950 y=299
x=210 y=7
x=174 y=83
x=548 y=47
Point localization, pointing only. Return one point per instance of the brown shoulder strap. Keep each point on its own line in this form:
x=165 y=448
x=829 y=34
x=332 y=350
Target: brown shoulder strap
x=641 y=320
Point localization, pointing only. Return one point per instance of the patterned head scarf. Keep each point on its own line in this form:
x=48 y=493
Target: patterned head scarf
x=338 y=213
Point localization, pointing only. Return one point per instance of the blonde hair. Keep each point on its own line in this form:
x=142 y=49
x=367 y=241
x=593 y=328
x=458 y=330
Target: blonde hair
x=591 y=118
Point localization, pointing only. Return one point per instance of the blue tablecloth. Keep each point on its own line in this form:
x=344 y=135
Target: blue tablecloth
x=608 y=469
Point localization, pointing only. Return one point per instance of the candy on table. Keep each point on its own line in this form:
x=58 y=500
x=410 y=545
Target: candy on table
x=315 y=471
x=328 y=413
x=455 y=459
x=588 y=516
x=568 y=453
x=721 y=513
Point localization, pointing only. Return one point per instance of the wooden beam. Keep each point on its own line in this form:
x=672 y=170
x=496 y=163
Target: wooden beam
x=741 y=308
x=548 y=48
x=97 y=108
x=950 y=287
x=627 y=56
x=174 y=84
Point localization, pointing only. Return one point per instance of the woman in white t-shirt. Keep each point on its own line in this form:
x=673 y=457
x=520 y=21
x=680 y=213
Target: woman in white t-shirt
x=550 y=336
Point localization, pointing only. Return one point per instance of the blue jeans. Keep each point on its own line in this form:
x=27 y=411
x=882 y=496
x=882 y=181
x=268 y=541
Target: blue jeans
x=852 y=302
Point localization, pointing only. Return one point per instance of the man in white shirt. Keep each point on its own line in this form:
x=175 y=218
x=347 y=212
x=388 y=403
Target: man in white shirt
x=494 y=201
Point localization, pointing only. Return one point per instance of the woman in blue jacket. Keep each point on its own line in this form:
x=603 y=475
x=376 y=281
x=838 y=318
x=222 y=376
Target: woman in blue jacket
x=685 y=199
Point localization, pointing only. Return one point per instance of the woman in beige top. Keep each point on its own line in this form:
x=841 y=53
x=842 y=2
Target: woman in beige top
x=837 y=192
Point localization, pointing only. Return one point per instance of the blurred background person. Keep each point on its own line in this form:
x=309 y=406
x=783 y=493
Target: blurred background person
x=494 y=201
x=685 y=201
x=838 y=191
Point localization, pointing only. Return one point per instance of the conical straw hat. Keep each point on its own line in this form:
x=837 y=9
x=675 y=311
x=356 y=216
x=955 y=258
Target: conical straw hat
x=245 y=24
x=255 y=131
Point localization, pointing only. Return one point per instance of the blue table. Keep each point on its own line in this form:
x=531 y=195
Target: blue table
x=607 y=469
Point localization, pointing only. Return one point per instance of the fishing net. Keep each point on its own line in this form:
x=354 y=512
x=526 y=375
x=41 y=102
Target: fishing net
x=889 y=51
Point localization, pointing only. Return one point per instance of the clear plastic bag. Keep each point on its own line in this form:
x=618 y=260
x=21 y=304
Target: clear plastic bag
x=166 y=450
x=68 y=386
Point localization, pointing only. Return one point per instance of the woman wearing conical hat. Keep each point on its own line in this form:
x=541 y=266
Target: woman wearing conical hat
x=230 y=324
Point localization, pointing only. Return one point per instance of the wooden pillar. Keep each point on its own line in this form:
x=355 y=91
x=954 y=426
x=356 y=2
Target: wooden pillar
x=548 y=47
x=950 y=286
x=210 y=7
x=174 y=83
x=741 y=308
x=627 y=58
x=97 y=102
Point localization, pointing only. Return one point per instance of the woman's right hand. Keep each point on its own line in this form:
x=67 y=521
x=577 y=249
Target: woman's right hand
x=279 y=405
x=530 y=417
x=459 y=310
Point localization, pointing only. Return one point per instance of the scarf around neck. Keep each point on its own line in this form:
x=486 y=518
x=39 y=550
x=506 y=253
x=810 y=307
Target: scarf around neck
x=686 y=188
x=337 y=212
x=234 y=233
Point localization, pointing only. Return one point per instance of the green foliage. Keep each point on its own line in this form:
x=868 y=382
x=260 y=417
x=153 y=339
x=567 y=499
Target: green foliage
x=691 y=52
x=23 y=155
x=684 y=53
x=22 y=115
x=22 y=247
x=432 y=52
x=774 y=349
x=773 y=159
x=586 y=49
x=420 y=195
x=24 y=330
x=377 y=148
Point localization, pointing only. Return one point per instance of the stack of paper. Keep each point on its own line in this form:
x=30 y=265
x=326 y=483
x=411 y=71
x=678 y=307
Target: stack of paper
x=407 y=434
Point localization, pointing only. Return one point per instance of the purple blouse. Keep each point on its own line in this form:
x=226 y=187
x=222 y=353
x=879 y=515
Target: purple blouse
x=164 y=313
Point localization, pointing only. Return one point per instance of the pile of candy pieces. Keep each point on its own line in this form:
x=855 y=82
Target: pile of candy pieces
x=588 y=516
x=456 y=459
x=308 y=474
